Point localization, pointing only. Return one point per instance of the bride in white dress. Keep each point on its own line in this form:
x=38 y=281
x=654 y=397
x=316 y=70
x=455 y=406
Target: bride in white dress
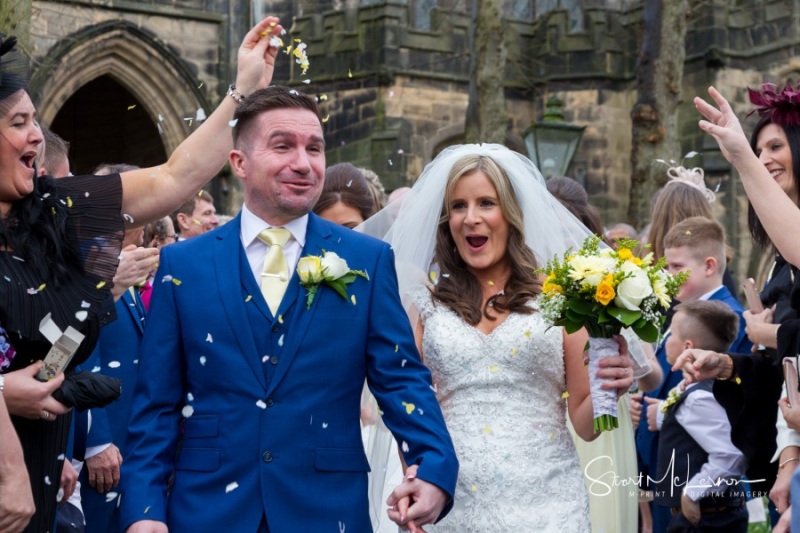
x=477 y=223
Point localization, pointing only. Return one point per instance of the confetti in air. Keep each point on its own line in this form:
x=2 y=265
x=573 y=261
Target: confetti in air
x=326 y=118
x=131 y=107
x=324 y=425
x=405 y=446
x=494 y=369
x=349 y=73
x=353 y=298
x=189 y=397
x=306 y=81
x=128 y=218
x=101 y=284
x=396 y=348
x=280 y=319
x=203 y=360
x=85 y=304
x=200 y=116
x=265 y=359
x=114 y=364
x=233 y=122
x=187 y=411
x=565 y=395
x=403 y=363
x=280 y=341
x=261 y=404
x=209 y=338
x=60 y=494
x=110 y=497
x=231 y=486
x=409 y=407
x=47 y=480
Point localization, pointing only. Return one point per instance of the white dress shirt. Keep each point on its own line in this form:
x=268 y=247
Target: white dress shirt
x=256 y=249
x=706 y=422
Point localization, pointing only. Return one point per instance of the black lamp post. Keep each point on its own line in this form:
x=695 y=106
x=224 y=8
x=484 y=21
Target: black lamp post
x=552 y=142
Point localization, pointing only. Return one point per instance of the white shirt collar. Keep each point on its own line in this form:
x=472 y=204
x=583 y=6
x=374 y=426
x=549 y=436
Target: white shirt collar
x=252 y=225
x=709 y=294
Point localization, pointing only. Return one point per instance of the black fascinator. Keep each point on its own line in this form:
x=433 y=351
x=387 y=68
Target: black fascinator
x=13 y=70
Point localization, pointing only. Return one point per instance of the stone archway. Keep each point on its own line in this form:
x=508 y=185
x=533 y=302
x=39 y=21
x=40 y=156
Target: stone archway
x=134 y=59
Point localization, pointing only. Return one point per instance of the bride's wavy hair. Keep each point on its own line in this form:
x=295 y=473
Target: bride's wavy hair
x=457 y=288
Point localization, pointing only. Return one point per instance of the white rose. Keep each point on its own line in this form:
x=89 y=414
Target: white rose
x=591 y=269
x=634 y=288
x=335 y=267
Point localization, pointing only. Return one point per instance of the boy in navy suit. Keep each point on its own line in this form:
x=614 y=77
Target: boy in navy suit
x=699 y=468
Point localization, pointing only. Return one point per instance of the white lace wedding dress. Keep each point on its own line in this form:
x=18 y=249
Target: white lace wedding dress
x=501 y=395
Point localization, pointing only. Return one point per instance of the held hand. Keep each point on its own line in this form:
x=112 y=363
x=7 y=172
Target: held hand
x=698 y=365
x=147 y=526
x=653 y=405
x=69 y=479
x=690 y=509
x=785 y=522
x=28 y=397
x=617 y=371
x=779 y=493
x=256 y=59
x=103 y=469
x=760 y=329
x=135 y=265
x=427 y=502
x=721 y=122
x=635 y=408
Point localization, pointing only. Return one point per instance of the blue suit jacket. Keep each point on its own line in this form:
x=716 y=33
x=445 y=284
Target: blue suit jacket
x=646 y=440
x=284 y=443
x=116 y=355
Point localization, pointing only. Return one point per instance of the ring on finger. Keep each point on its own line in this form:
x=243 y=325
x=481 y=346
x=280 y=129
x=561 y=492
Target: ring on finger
x=45 y=415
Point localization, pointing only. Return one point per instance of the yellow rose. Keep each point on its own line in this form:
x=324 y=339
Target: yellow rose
x=605 y=290
x=549 y=287
x=309 y=269
x=625 y=254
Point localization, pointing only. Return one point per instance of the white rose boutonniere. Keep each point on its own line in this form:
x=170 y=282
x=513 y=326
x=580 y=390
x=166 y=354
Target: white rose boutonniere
x=328 y=269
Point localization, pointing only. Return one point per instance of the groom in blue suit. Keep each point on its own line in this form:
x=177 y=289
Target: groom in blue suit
x=247 y=417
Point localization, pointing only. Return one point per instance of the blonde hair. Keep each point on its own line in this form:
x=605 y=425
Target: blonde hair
x=673 y=204
x=702 y=236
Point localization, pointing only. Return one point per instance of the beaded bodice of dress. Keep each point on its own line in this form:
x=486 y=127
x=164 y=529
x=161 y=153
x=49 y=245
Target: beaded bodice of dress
x=502 y=398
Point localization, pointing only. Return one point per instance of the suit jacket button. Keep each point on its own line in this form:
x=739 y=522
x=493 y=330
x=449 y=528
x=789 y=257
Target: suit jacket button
x=276 y=329
x=274 y=359
x=267 y=457
x=269 y=402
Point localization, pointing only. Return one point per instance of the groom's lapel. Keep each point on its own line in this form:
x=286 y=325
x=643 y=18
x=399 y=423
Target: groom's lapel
x=297 y=316
x=229 y=272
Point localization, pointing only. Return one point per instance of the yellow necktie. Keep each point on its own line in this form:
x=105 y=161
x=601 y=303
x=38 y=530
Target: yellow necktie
x=275 y=274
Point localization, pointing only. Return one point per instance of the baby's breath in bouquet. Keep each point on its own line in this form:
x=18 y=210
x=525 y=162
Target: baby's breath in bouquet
x=605 y=290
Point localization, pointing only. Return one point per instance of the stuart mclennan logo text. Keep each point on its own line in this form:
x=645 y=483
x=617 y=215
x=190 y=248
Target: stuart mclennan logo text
x=602 y=484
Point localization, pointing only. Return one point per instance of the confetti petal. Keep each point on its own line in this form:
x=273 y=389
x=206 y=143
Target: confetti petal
x=114 y=364
x=187 y=411
x=231 y=486
x=409 y=407
x=280 y=341
x=209 y=338
x=261 y=404
x=110 y=497
x=189 y=397
x=203 y=360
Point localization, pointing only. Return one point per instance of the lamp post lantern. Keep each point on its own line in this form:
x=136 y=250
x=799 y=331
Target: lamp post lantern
x=552 y=142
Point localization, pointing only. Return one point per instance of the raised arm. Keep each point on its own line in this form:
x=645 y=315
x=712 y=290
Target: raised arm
x=151 y=193
x=774 y=208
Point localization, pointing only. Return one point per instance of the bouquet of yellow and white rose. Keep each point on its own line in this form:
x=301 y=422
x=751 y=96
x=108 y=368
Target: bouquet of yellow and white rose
x=605 y=290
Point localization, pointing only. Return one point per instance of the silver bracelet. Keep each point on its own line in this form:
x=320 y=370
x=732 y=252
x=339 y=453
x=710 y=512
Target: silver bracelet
x=236 y=95
x=2 y=383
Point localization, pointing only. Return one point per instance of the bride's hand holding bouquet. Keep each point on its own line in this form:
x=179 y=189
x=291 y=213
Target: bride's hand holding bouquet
x=604 y=291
